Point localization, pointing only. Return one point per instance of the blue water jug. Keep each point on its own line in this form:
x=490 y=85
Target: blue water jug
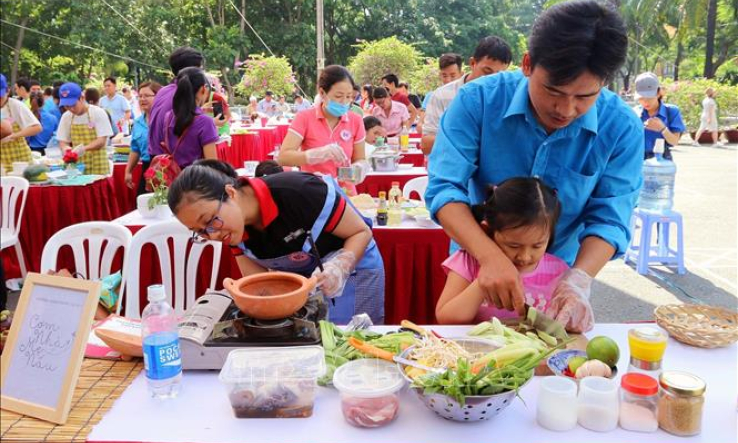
x=657 y=193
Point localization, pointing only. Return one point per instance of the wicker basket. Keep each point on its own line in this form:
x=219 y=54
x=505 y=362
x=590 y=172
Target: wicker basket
x=701 y=326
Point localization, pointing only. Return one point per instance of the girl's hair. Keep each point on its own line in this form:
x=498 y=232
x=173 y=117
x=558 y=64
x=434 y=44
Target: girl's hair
x=203 y=180
x=37 y=103
x=520 y=201
x=154 y=86
x=333 y=74
x=267 y=167
x=189 y=81
x=371 y=121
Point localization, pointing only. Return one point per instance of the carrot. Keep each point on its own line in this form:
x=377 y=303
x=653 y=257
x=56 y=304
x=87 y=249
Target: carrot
x=371 y=350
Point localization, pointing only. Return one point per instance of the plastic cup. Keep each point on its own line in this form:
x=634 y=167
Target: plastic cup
x=557 y=404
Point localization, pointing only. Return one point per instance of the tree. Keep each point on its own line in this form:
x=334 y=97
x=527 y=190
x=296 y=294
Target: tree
x=263 y=74
x=389 y=55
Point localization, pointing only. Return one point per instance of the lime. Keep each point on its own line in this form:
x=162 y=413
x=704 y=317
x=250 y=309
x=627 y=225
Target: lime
x=603 y=349
x=576 y=362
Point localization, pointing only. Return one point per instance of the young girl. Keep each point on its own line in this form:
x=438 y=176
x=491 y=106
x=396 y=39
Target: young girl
x=520 y=216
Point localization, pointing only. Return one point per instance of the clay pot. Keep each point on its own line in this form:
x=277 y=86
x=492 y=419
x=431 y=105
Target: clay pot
x=270 y=295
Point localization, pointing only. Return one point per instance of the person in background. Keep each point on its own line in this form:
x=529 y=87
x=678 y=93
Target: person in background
x=366 y=101
x=182 y=57
x=116 y=105
x=283 y=106
x=267 y=167
x=140 y=136
x=491 y=56
x=708 y=119
x=49 y=124
x=253 y=106
x=392 y=114
x=23 y=91
x=57 y=109
x=92 y=97
x=374 y=129
x=660 y=120
x=222 y=120
x=22 y=123
x=50 y=104
x=191 y=135
x=84 y=128
x=132 y=101
x=267 y=105
x=35 y=87
x=392 y=83
x=328 y=136
x=449 y=69
x=301 y=103
x=404 y=88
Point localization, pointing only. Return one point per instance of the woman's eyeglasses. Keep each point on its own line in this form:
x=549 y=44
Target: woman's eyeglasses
x=213 y=225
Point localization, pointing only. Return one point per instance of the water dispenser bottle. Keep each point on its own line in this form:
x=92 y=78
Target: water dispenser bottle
x=657 y=193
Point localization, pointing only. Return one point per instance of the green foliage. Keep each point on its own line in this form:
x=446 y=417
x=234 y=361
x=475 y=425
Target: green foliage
x=263 y=74
x=688 y=95
x=389 y=55
x=426 y=78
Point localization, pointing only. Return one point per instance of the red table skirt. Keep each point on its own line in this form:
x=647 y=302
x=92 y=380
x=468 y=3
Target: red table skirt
x=267 y=140
x=281 y=132
x=52 y=208
x=374 y=184
x=243 y=147
x=125 y=196
x=413 y=159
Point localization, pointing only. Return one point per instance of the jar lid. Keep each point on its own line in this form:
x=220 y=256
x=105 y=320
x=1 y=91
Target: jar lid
x=640 y=384
x=682 y=383
x=368 y=378
x=649 y=334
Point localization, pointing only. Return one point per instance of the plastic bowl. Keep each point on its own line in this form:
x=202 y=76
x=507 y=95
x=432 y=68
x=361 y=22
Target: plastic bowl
x=558 y=363
x=270 y=295
x=369 y=392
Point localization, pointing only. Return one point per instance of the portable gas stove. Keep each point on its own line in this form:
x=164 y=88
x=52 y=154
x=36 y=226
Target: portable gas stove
x=214 y=326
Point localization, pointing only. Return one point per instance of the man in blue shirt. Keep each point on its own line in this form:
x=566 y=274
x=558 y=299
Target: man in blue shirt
x=116 y=105
x=660 y=120
x=554 y=120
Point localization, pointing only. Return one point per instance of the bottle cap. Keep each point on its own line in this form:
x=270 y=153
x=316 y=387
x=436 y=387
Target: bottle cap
x=640 y=384
x=682 y=383
x=658 y=148
x=156 y=293
x=395 y=184
x=382 y=194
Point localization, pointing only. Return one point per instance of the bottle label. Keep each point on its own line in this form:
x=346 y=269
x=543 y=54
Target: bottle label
x=161 y=354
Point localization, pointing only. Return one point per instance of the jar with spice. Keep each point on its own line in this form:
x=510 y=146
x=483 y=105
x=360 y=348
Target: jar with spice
x=639 y=403
x=647 y=346
x=681 y=401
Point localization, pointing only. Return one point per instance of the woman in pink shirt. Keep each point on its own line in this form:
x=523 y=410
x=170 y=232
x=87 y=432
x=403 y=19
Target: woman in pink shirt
x=520 y=215
x=328 y=136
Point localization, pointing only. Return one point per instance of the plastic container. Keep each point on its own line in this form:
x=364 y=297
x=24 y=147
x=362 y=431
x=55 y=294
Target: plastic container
x=647 y=346
x=404 y=139
x=273 y=382
x=681 y=400
x=659 y=173
x=599 y=407
x=161 y=352
x=639 y=403
x=395 y=196
x=369 y=392
x=556 y=408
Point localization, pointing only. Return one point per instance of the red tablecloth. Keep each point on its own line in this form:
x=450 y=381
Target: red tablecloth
x=244 y=147
x=51 y=208
x=125 y=196
x=415 y=159
x=376 y=183
x=267 y=139
x=282 y=129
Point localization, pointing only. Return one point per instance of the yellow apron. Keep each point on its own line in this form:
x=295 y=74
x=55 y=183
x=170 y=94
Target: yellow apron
x=96 y=162
x=15 y=151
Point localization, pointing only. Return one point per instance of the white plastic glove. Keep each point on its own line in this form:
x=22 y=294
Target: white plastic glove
x=331 y=152
x=79 y=150
x=336 y=271
x=570 y=302
x=361 y=168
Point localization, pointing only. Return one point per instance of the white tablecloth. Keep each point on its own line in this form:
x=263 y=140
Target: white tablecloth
x=202 y=412
x=403 y=170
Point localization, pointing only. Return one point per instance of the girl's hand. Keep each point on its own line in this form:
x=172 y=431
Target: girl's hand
x=500 y=280
x=570 y=303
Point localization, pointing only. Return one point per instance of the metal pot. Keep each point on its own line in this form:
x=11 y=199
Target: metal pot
x=385 y=161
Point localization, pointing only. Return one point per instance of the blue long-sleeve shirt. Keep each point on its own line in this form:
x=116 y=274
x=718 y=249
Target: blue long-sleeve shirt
x=490 y=133
x=140 y=138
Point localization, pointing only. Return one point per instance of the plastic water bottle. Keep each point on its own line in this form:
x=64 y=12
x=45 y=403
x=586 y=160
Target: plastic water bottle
x=657 y=193
x=162 y=357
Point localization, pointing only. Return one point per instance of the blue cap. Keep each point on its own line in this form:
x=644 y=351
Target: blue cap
x=69 y=94
x=3 y=85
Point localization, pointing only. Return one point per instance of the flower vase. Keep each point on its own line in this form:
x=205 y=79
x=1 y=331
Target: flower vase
x=72 y=170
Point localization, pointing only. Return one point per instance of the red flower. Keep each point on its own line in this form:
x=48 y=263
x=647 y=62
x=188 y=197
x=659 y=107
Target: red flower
x=71 y=157
x=149 y=174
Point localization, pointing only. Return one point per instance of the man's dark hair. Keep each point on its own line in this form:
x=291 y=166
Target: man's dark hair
x=111 y=80
x=57 y=83
x=449 y=59
x=595 y=40
x=48 y=91
x=380 y=92
x=267 y=167
x=92 y=96
x=269 y=94
x=24 y=83
x=404 y=85
x=34 y=82
x=371 y=121
x=391 y=79
x=494 y=48
x=185 y=57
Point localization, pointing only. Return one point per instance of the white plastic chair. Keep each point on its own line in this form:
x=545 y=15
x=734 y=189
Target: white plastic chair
x=13 y=188
x=183 y=283
x=103 y=240
x=418 y=185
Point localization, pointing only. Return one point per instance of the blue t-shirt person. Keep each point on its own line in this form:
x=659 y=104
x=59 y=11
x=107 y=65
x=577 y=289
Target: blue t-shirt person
x=116 y=107
x=49 y=123
x=140 y=138
x=490 y=133
x=672 y=118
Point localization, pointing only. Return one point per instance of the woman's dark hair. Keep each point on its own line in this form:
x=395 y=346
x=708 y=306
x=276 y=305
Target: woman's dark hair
x=203 y=180
x=92 y=96
x=333 y=74
x=519 y=201
x=185 y=57
x=494 y=48
x=380 y=92
x=370 y=122
x=577 y=36
x=37 y=103
x=368 y=89
x=154 y=86
x=267 y=167
x=391 y=79
x=189 y=81
x=48 y=91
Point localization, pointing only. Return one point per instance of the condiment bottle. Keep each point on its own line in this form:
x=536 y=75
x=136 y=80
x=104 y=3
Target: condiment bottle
x=404 y=139
x=395 y=196
x=647 y=346
x=639 y=403
x=681 y=400
x=598 y=407
x=382 y=209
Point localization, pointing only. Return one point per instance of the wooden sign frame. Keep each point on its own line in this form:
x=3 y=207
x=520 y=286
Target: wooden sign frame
x=48 y=338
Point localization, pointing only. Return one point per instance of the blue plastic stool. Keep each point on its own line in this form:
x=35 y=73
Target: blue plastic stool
x=643 y=253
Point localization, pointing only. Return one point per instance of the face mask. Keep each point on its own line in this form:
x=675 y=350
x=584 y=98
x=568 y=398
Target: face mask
x=336 y=109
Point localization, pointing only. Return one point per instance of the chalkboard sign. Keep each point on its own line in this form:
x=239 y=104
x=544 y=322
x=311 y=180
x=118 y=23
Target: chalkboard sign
x=45 y=347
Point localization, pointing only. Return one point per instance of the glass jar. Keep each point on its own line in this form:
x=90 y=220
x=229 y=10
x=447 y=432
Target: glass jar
x=598 y=407
x=639 y=403
x=681 y=400
x=647 y=346
x=556 y=408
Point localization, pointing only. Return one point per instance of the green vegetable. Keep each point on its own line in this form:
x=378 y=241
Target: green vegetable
x=35 y=173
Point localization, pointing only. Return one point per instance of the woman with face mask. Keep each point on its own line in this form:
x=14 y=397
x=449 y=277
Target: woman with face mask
x=327 y=136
